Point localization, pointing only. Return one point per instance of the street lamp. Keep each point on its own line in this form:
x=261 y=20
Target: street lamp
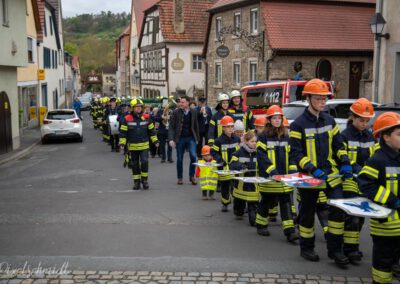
x=377 y=24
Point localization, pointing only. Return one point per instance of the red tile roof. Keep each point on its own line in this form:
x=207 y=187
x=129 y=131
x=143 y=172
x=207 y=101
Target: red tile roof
x=195 y=20
x=75 y=62
x=221 y=3
x=311 y=26
x=139 y=6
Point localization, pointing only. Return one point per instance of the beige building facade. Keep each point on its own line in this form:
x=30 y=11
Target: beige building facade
x=389 y=58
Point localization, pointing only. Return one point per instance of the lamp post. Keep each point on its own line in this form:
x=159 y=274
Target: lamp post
x=377 y=24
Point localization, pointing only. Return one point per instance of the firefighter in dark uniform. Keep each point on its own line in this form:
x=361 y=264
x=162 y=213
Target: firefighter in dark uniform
x=379 y=180
x=222 y=150
x=238 y=113
x=273 y=159
x=215 y=128
x=135 y=133
x=105 y=127
x=112 y=109
x=245 y=193
x=315 y=144
x=360 y=145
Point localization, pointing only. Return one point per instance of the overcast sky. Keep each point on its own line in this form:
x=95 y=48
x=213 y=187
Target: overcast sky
x=77 y=7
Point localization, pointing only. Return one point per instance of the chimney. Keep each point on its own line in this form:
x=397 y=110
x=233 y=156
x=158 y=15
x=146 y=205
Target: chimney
x=179 y=24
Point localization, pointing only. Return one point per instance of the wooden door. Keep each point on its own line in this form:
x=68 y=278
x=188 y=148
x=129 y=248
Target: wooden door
x=356 y=69
x=5 y=124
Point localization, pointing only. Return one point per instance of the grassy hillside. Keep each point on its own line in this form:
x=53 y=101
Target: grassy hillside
x=92 y=38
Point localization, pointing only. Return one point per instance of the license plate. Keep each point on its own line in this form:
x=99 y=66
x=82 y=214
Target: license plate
x=61 y=132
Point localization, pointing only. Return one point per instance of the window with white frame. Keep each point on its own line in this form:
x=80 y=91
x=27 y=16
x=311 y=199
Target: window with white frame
x=254 y=21
x=4 y=12
x=237 y=22
x=218 y=27
x=252 y=70
x=236 y=73
x=31 y=52
x=218 y=73
x=197 y=64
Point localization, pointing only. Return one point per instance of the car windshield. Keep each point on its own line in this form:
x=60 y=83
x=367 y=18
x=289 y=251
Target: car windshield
x=61 y=115
x=293 y=111
x=264 y=96
x=295 y=92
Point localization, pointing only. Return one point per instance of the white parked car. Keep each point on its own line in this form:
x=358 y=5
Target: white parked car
x=61 y=124
x=338 y=108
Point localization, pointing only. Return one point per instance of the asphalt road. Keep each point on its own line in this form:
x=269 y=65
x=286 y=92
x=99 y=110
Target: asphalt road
x=73 y=202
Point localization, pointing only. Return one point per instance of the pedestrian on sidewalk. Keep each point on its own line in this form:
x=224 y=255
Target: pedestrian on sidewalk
x=183 y=133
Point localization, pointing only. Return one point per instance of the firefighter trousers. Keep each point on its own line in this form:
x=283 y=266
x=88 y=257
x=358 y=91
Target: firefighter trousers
x=239 y=207
x=385 y=252
x=140 y=164
x=225 y=186
x=334 y=236
x=266 y=202
x=114 y=140
x=352 y=228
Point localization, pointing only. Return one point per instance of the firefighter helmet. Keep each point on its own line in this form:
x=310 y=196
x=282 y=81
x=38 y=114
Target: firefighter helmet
x=222 y=97
x=235 y=93
x=363 y=107
x=260 y=121
x=227 y=121
x=206 y=150
x=316 y=87
x=274 y=110
x=285 y=122
x=385 y=121
x=136 y=102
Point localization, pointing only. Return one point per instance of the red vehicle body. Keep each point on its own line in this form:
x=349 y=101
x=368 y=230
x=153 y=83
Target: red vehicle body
x=258 y=96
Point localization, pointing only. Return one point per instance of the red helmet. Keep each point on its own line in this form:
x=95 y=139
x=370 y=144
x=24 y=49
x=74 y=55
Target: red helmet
x=260 y=121
x=385 y=121
x=227 y=121
x=316 y=87
x=363 y=107
x=274 y=110
x=206 y=150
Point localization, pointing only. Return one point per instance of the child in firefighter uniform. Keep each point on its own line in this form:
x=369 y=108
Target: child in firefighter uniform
x=237 y=111
x=316 y=146
x=215 y=128
x=245 y=193
x=208 y=179
x=273 y=159
x=360 y=145
x=379 y=180
x=135 y=133
x=222 y=151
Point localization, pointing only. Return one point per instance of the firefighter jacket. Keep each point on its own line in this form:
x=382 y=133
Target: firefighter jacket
x=215 y=128
x=111 y=111
x=274 y=159
x=136 y=131
x=245 y=116
x=244 y=159
x=222 y=151
x=360 y=147
x=208 y=179
x=315 y=143
x=379 y=180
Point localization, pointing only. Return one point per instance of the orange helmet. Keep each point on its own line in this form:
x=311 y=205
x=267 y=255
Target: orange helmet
x=316 y=87
x=363 y=107
x=274 y=110
x=385 y=121
x=260 y=121
x=285 y=122
x=227 y=121
x=206 y=150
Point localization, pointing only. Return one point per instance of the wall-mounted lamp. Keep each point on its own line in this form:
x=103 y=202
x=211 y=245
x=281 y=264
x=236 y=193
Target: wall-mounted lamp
x=377 y=24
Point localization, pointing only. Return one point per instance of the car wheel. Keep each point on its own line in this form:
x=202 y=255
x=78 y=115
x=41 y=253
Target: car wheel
x=80 y=139
x=44 y=141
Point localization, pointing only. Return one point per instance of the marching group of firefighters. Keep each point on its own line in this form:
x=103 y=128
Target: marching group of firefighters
x=352 y=163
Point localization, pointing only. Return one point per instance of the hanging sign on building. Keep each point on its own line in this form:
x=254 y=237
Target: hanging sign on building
x=177 y=64
x=41 y=74
x=222 y=51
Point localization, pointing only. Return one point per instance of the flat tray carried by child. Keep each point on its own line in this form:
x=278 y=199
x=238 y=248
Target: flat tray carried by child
x=228 y=172
x=299 y=180
x=253 y=179
x=361 y=207
x=207 y=164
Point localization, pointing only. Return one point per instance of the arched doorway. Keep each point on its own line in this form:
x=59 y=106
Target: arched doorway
x=5 y=124
x=324 y=70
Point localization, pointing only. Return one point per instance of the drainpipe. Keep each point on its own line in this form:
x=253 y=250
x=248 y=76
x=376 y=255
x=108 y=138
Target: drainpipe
x=377 y=60
x=267 y=64
x=206 y=80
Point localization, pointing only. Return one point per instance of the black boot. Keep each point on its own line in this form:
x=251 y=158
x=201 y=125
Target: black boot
x=263 y=231
x=353 y=256
x=396 y=270
x=136 y=185
x=340 y=259
x=309 y=254
x=224 y=208
x=145 y=183
x=252 y=217
x=292 y=237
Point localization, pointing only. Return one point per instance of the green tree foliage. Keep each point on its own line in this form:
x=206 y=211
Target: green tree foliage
x=92 y=37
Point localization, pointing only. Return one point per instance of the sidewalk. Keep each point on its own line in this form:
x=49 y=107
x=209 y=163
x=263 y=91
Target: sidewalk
x=139 y=277
x=29 y=139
